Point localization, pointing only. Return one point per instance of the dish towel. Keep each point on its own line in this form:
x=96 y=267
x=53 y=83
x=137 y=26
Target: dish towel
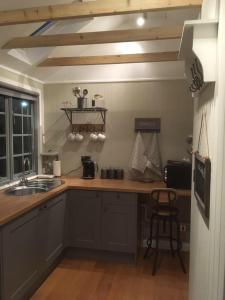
x=139 y=158
x=154 y=162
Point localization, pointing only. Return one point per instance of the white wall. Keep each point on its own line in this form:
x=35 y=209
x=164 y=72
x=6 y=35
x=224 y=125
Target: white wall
x=208 y=244
x=168 y=100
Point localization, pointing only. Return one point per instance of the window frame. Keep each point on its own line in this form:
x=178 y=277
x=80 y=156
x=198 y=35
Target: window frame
x=6 y=179
x=9 y=93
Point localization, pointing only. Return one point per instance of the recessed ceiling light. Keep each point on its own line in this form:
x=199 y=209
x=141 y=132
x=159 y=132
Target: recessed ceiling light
x=141 y=21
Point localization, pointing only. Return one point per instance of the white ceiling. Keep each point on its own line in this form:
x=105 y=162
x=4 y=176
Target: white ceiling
x=25 y=60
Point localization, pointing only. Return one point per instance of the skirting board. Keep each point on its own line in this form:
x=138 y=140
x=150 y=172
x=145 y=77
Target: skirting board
x=164 y=245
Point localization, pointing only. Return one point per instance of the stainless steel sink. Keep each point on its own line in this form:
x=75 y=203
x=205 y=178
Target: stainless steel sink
x=24 y=190
x=48 y=183
x=35 y=186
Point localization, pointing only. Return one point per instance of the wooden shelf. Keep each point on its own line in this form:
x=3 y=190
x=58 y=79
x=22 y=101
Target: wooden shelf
x=198 y=36
x=87 y=127
x=85 y=110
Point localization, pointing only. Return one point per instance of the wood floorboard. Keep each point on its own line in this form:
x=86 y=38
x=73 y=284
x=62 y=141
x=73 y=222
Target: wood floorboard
x=79 y=279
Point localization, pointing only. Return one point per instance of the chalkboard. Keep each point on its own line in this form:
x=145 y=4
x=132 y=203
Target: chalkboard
x=202 y=178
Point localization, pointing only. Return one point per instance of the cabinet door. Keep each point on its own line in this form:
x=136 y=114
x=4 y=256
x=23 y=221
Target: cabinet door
x=52 y=221
x=119 y=222
x=84 y=219
x=20 y=255
x=1 y=266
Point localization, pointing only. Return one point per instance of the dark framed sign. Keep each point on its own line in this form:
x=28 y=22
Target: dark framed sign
x=147 y=124
x=202 y=178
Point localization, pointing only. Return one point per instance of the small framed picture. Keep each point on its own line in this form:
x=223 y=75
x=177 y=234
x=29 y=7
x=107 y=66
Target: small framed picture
x=202 y=178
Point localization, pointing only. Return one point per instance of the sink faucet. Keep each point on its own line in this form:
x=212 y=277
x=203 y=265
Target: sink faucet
x=23 y=179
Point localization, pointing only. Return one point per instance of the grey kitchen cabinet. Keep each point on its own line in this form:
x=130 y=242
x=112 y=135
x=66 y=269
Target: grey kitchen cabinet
x=84 y=219
x=20 y=256
x=119 y=222
x=52 y=222
x=30 y=245
x=103 y=220
x=0 y=263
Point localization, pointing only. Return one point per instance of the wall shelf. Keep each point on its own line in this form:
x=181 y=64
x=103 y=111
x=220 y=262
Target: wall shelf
x=86 y=127
x=200 y=67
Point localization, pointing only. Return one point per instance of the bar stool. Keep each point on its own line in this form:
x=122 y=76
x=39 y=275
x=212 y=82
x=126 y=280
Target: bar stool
x=164 y=211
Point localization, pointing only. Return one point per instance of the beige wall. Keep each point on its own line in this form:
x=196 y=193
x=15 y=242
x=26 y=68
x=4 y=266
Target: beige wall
x=20 y=80
x=168 y=100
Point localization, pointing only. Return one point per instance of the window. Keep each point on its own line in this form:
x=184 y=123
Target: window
x=17 y=134
x=3 y=140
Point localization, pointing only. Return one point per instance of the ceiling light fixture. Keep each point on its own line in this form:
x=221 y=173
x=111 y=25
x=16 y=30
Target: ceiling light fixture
x=141 y=20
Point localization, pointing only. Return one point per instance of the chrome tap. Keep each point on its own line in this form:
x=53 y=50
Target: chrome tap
x=24 y=180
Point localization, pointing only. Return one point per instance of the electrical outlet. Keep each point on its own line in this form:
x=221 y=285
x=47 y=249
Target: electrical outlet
x=183 y=227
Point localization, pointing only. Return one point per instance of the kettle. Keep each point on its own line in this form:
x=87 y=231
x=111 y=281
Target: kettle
x=89 y=167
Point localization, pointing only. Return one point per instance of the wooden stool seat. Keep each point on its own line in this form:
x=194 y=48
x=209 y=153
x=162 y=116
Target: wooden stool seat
x=166 y=211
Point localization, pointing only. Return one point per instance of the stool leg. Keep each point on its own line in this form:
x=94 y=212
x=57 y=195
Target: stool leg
x=178 y=246
x=164 y=225
x=156 y=248
x=150 y=237
x=171 y=236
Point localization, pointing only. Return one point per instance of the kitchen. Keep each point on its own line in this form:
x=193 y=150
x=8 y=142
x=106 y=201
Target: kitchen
x=130 y=91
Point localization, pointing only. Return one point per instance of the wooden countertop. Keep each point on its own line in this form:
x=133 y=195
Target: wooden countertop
x=12 y=207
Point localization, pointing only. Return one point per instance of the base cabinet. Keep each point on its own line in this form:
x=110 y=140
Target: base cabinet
x=119 y=222
x=29 y=245
x=103 y=220
x=20 y=258
x=52 y=222
x=84 y=219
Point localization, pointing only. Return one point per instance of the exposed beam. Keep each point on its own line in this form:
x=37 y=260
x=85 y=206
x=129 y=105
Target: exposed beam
x=109 y=59
x=91 y=9
x=157 y=33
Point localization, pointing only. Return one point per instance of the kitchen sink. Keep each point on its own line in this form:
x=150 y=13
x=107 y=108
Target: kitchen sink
x=35 y=186
x=23 y=190
x=48 y=183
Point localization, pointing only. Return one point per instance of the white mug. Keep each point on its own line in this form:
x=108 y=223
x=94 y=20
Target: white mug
x=93 y=137
x=71 y=137
x=79 y=137
x=101 y=137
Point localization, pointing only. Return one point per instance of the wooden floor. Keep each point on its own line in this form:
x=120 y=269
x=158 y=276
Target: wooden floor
x=79 y=279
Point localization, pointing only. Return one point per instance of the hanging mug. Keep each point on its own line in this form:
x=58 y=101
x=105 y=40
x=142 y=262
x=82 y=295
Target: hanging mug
x=93 y=137
x=79 y=137
x=71 y=137
x=101 y=137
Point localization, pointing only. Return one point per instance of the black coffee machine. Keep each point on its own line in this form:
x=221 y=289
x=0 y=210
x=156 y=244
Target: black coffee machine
x=89 y=167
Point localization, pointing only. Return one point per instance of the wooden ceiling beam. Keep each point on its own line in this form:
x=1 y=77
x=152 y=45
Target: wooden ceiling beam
x=90 y=9
x=102 y=37
x=109 y=59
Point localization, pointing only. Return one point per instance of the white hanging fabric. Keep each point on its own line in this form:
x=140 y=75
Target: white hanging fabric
x=139 y=158
x=154 y=162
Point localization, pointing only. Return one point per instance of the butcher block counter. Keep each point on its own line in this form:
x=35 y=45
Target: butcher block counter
x=12 y=207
